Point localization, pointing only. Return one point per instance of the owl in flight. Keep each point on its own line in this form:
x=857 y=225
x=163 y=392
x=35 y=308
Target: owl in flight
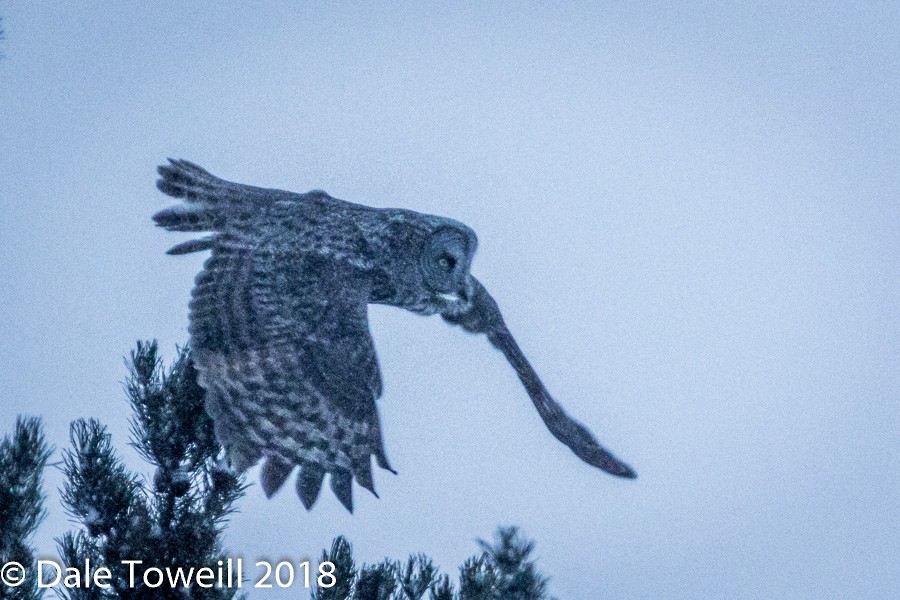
x=279 y=329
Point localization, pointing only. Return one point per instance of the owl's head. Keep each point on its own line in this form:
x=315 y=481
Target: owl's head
x=444 y=264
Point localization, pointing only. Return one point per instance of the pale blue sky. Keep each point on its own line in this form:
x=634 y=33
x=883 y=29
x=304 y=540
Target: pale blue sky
x=690 y=215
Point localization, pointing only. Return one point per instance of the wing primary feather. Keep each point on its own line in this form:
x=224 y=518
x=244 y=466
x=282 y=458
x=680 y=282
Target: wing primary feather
x=383 y=461
x=309 y=483
x=275 y=472
x=342 y=485
x=362 y=470
x=380 y=455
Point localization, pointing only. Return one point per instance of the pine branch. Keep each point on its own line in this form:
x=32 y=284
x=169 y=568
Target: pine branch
x=417 y=578
x=517 y=576
x=74 y=548
x=99 y=490
x=376 y=582
x=341 y=556
x=503 y=571
x=478 y=580
x=22 y=460
x=442 y=589
x=177 y=521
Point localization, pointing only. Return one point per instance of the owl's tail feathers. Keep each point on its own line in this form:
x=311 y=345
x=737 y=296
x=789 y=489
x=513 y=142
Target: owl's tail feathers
x=186 y=217
x=192 y=246
x=184 y=179
x=201 y=192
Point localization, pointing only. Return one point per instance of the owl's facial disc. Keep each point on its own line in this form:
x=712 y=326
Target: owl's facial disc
x=444 y=264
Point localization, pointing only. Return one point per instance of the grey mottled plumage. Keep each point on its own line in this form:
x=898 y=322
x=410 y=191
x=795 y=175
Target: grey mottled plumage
x=279 y=329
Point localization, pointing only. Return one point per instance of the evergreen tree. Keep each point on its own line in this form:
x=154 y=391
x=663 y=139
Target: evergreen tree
x=376 y=582
x=417 y=578
x=516 y=577
x=22 y=460
x=503 y=571
x=176 y=521
x=442 y=589
x=478 y=580
x=341 y=556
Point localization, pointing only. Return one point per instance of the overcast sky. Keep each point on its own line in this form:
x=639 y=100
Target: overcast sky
x=690 y=217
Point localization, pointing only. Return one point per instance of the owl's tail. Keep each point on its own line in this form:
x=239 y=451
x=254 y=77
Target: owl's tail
x=201 y=191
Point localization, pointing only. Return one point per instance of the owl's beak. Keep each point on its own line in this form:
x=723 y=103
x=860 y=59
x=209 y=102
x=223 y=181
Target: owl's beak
x=461 y=296
x=457 y=297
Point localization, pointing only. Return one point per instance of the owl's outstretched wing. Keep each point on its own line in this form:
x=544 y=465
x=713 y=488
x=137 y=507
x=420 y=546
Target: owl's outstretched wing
x=314 y=222
x=280 y=338
x=484 y=317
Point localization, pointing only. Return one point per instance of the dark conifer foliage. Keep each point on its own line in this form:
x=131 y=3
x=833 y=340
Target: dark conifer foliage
x=478 y=580
x=341 y=556
x=376 y=582
x=22 y=459
x=503 y=571
x=442 y=589
x=175 y=517
x=417 y=577
x=516 y=576
x=175 y=520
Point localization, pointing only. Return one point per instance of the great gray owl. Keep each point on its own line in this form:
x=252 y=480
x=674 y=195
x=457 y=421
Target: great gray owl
x=279 y=329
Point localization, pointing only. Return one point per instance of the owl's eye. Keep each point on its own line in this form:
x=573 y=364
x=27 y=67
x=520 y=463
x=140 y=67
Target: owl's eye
x=446 y=262
x=443 y=259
